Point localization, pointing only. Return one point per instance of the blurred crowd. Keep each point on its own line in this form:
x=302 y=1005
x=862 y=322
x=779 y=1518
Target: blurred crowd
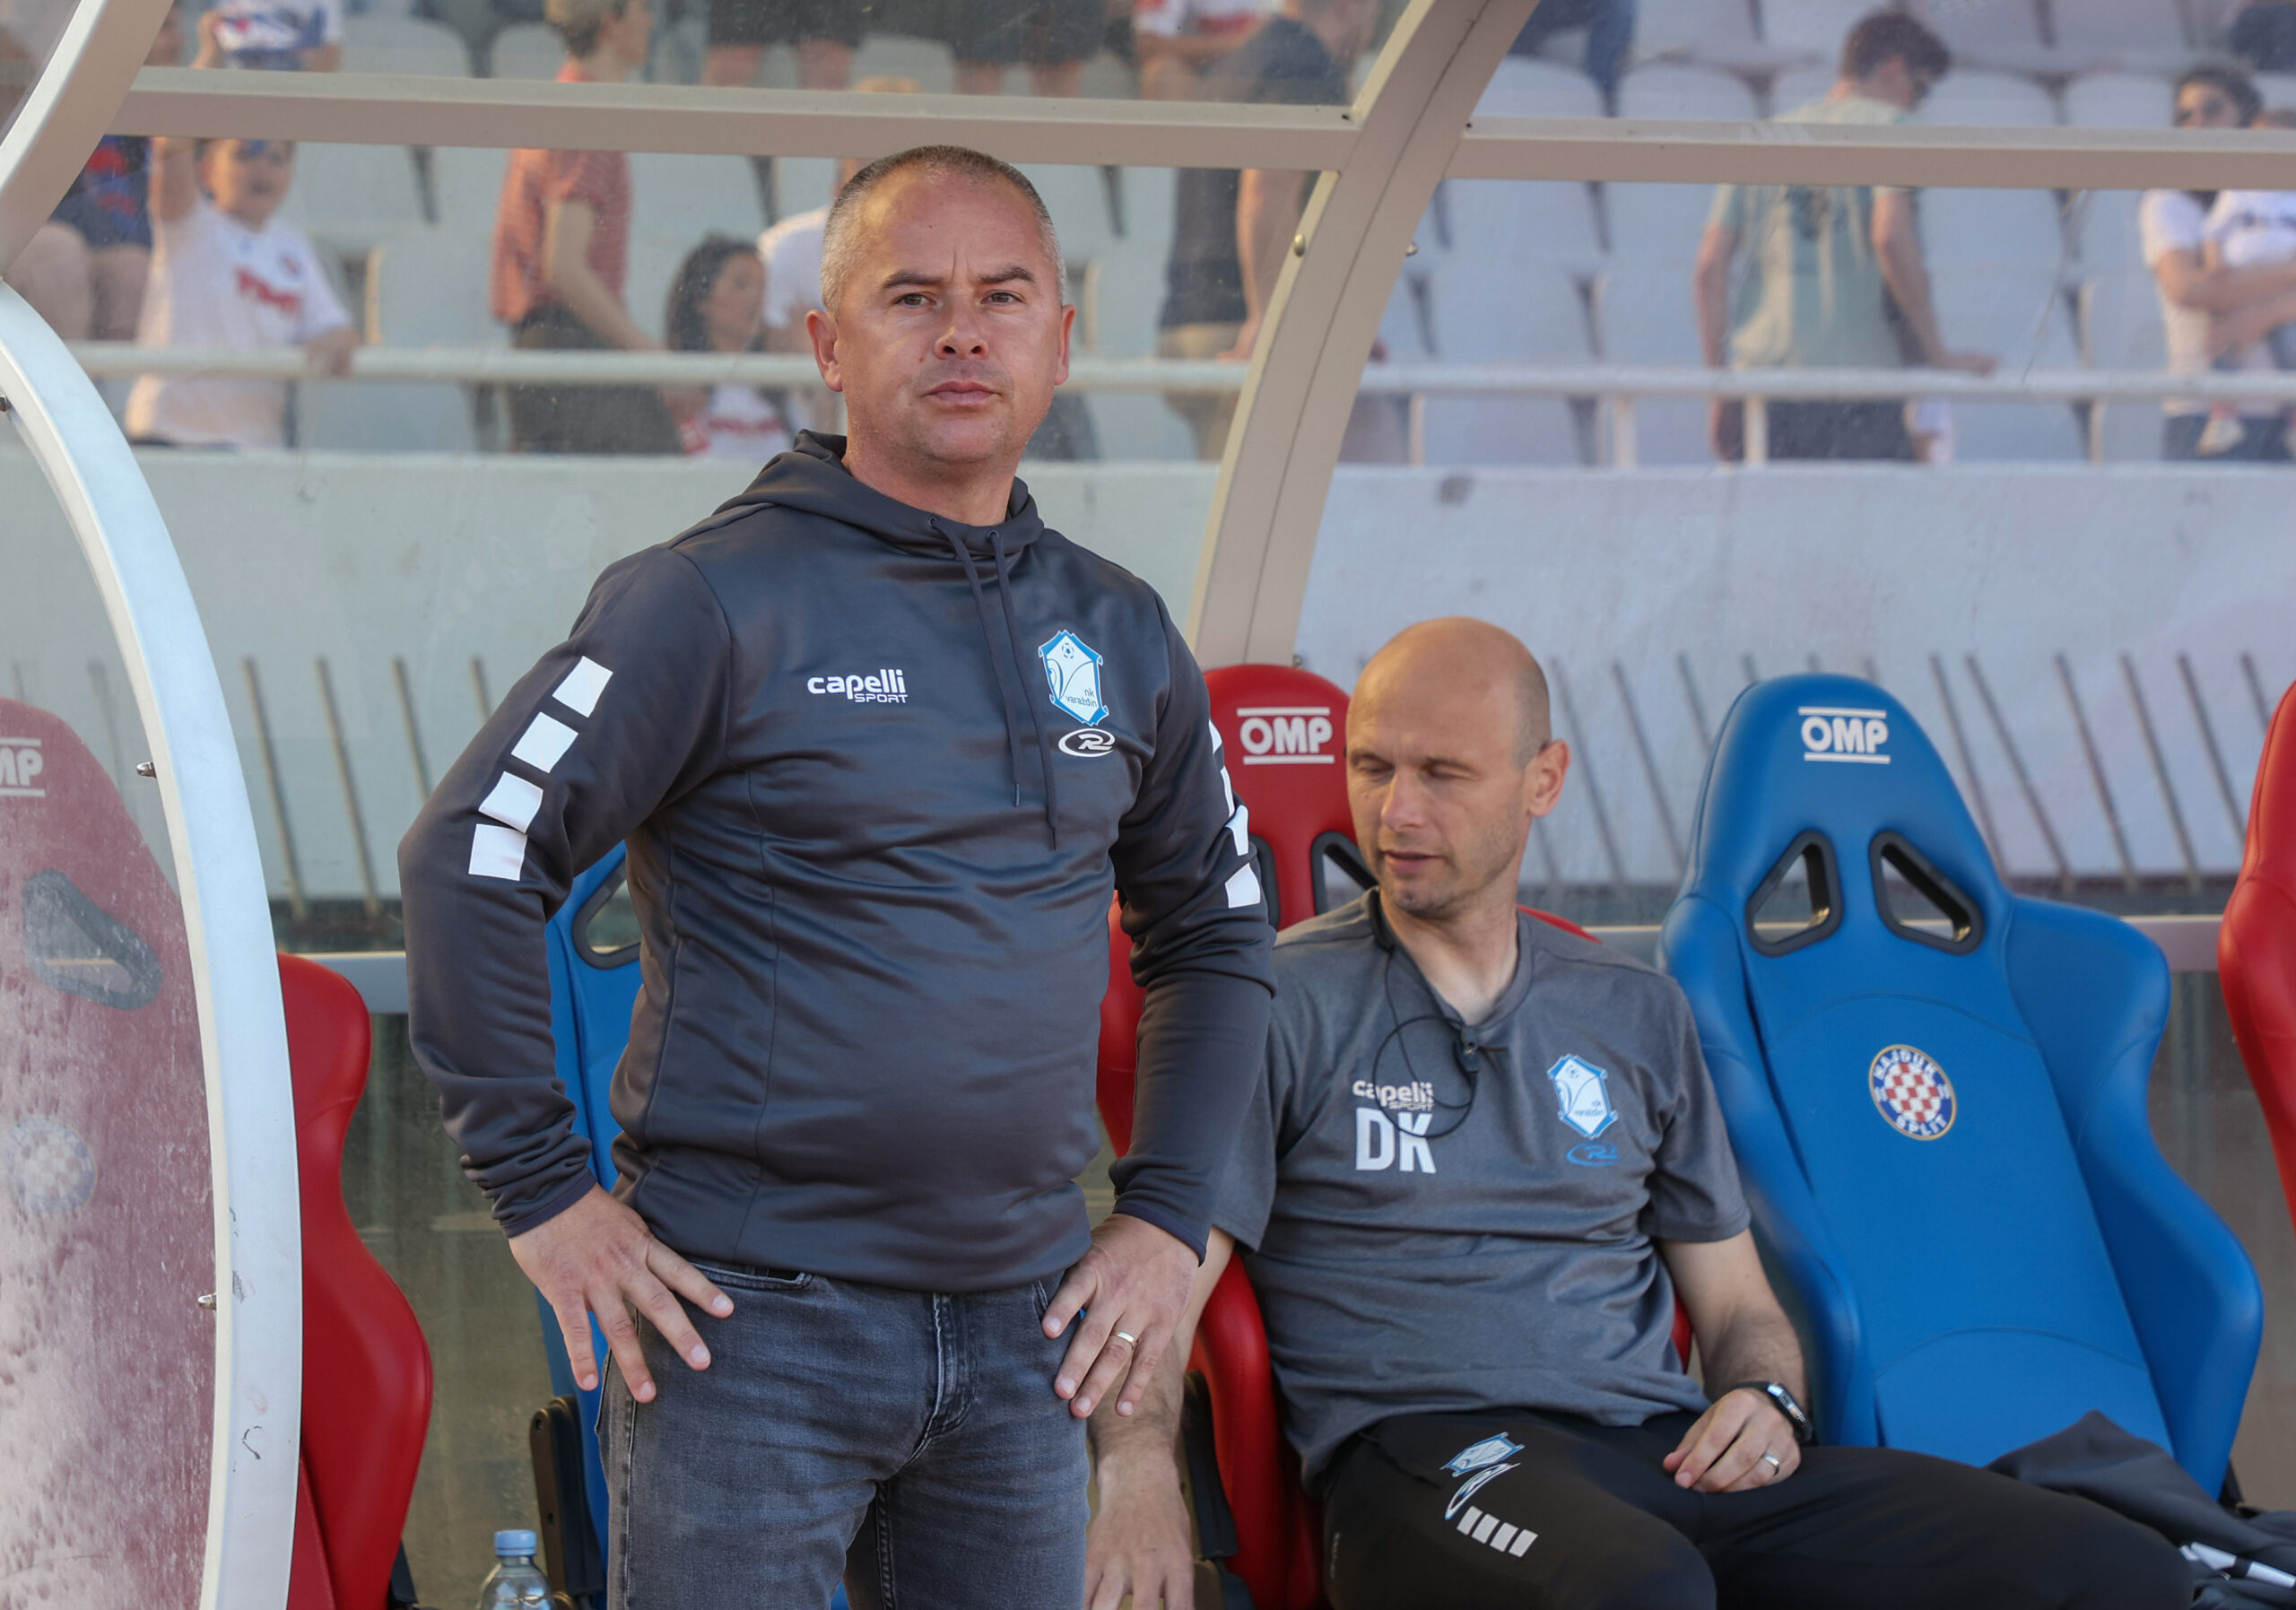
x=178 y=243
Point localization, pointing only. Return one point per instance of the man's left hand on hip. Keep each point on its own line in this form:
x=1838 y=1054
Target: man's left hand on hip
x=1131 y=1288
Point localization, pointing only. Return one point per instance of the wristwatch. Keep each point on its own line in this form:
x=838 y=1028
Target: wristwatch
x=1787 y=1404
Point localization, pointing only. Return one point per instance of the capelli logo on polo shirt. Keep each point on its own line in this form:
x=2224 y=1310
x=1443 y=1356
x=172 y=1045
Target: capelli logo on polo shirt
x=874 y=687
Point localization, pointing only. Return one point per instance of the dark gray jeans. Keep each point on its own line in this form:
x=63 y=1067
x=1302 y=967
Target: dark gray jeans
x=908 y=1441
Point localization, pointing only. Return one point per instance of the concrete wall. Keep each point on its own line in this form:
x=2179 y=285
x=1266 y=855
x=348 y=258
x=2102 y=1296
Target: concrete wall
x=1620 y=581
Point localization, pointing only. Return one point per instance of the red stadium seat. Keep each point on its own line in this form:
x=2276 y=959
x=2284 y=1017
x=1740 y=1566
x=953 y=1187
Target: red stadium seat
x=2255 y=947
x=1283 y=736
x=366 y=1368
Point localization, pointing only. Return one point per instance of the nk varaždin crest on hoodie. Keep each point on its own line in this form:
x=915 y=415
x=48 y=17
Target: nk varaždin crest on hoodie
x=1074 y=671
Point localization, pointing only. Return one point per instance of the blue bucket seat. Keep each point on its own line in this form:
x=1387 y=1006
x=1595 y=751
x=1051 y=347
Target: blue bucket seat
x=1937 y=1092
x=594 y=978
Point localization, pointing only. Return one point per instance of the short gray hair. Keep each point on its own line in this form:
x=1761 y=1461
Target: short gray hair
x=839 y=247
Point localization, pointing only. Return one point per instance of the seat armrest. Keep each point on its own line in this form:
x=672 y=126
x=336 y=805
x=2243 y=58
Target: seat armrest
x=1698 y=949
x=2095 y=994
x=2256 y=961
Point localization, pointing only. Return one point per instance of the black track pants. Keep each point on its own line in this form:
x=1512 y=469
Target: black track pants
x=1853 y=1528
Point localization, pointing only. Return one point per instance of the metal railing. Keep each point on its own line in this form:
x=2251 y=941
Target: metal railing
x=1616 y=386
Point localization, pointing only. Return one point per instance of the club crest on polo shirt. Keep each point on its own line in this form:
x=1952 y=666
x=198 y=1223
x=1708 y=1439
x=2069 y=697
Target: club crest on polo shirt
x=1476 y=1455
x=1072 y=669
x=1912 y=1093
x=1584 y=1091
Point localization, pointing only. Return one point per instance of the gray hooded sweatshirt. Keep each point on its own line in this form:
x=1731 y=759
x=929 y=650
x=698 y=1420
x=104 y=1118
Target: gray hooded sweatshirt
x=879 y=773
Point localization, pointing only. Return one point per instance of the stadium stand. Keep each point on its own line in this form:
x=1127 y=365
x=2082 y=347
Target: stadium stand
x=678 y=200
x=374 y=44
x=526 y=50
x=1526 y=86
x=1997 y=270
x=1513 y=309
x=1676 y=90
x=2119 y=101
x=466 y=184
x=1813 y=26
x=932 y=63
x=427 y=288
x=1717 y=32
x=2128 y=30
x=1645 y=315
x=353 y=196
x=1978 y=96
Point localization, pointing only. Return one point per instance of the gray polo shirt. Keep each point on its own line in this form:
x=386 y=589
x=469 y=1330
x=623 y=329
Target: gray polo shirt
x=1422 y=1245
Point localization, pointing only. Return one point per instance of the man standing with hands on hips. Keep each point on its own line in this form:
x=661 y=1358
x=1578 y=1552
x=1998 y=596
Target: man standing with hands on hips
x=881 y=745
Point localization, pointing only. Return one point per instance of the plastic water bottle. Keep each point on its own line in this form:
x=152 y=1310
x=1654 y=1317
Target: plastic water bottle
x=516 y=1582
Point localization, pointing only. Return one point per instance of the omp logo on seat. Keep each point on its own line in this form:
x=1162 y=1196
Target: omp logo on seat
x=21 y=765
x=1286 y=734
x=1829 y=734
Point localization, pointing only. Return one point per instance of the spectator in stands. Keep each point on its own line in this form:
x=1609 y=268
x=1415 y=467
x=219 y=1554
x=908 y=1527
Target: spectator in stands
x=1610 y=35
x=2263 y=36
x=226 y=273
x=83 y=270
x=825 y=33
x=1056 y=39
x=1837 y=279
x=2172 y=224
x=1231 y=230
x=2250 y=228
x=304 y=35
x=1177 y=40
x=717 y=305
x=562 y=257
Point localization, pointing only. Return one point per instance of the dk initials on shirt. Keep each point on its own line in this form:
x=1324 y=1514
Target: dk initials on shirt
x=1380 y=1139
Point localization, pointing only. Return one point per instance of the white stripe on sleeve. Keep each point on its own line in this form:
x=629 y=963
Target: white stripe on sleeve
x=497 y=852
x=1243 y=889
x=583 y=684
x=544 y=740
x=512 y=802
x=1240 y=824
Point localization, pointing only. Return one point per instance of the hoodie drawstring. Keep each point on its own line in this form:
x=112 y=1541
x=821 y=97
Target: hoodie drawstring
x=1036 y=719
x=996 y=664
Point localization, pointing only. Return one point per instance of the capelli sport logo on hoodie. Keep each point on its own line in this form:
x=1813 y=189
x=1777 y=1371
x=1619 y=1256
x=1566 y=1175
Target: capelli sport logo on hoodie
x=874 y=687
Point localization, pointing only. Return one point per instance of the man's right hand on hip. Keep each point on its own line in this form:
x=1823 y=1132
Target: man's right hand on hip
x=598 y=1258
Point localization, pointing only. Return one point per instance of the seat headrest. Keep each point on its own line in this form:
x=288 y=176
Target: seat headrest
x=2271 y=850
x=1838 y=757
x=1282 y=735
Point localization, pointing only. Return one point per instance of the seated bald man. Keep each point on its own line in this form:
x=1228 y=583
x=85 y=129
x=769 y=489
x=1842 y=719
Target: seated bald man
x=1482 y=1161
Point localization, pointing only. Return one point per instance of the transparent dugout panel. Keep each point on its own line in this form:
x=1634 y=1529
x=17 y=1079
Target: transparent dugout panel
x=106 y=1223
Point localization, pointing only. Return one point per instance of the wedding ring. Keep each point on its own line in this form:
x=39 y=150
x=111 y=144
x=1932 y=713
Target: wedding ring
x=1128 y=1338
x=1774 y=1462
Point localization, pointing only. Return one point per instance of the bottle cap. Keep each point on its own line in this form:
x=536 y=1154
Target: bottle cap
x=510 y=1545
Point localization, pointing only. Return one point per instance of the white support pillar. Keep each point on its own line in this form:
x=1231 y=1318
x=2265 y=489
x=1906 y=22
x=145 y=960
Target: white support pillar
x=1318 y=333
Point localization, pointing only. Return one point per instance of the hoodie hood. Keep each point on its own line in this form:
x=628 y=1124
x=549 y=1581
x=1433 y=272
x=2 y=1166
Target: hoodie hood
x=811 y=477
